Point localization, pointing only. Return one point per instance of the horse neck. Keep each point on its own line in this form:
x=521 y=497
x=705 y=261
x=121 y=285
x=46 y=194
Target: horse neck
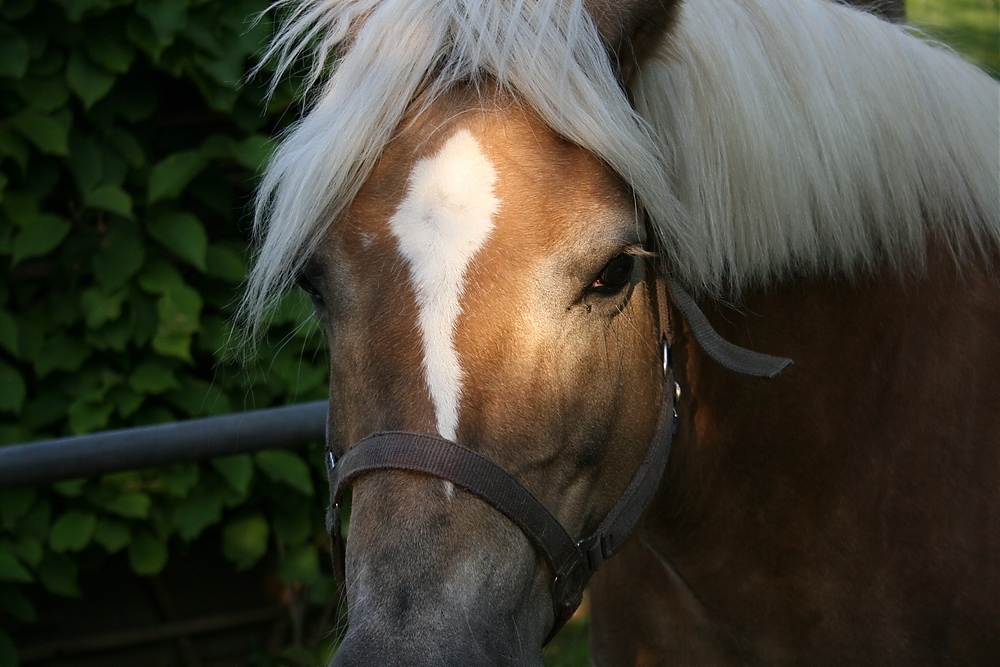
x=877 y=452
x=889 y=392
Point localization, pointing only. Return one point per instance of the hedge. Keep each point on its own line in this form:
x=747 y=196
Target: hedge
x=129 y=147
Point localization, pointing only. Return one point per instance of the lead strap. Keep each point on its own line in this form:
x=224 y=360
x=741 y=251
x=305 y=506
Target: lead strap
x=732 y=357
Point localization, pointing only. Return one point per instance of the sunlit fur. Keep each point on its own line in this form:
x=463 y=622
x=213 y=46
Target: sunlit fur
x=442 y=222
x=797 y=134
x=547 y=50
x=808 y=136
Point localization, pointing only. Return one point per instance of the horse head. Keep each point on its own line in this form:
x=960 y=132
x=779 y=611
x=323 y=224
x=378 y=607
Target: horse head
x=482 y=278
x=489 y=284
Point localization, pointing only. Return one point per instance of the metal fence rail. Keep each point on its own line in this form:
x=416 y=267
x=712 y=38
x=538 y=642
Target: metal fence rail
x=49 y=461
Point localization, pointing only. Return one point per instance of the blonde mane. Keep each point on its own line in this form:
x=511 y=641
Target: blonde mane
x=808 y=137
x=772 y=136
x=548 y=51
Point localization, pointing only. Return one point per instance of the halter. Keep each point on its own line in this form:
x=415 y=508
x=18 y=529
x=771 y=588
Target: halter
x=572 y=561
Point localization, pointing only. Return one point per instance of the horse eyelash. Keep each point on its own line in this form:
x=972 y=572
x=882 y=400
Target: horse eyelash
x=306 y=285
x=640 y=252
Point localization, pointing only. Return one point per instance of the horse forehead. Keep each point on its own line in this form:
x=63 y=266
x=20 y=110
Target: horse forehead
x=446 y=214
x=450 y=195
x=443 y=220
x=497 y=157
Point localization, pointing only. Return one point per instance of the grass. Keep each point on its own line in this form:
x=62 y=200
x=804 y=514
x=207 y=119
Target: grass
x=971 y=27
x=570 y=647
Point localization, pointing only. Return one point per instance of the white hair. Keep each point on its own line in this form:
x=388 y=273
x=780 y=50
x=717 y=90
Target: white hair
x=548 y=51
x=790 y=135
x=807 y=137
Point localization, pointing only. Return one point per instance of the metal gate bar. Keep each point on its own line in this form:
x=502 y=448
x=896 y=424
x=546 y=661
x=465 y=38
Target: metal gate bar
x=49 y=461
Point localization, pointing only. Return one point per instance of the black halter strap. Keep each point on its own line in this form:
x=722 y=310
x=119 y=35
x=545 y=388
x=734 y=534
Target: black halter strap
x=733 y=357
x=572 y=561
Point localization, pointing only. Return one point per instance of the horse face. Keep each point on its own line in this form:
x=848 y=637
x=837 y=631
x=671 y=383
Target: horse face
x=487 y=285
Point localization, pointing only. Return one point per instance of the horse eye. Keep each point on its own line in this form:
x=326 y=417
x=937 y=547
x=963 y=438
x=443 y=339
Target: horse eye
x=615 y=275
x=309 y=288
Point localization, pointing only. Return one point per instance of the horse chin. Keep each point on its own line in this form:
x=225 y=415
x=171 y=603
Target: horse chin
x=439 y=631
x=442 y=633
x=362 y=651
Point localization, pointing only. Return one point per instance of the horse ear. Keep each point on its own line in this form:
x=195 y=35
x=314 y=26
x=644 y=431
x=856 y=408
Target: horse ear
x=631 y=29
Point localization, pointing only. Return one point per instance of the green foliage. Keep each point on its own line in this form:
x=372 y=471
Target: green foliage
x=970 y=26
x=8 y=654
x=130 y=144
x=570 y=647
x=244 y=540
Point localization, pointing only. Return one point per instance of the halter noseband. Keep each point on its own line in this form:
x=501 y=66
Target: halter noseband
x=572 y=561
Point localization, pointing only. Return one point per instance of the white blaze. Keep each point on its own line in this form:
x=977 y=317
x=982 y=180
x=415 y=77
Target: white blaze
x=444 y=219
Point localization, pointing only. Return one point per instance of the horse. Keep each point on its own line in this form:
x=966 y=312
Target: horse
x=501 y=209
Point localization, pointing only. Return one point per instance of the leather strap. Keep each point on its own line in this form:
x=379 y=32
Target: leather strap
x=737 y=359
x=573 y=562
x=437 y=456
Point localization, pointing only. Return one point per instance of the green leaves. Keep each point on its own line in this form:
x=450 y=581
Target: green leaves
x=198 y=511
x=301 y=564
x=109 y=49
x=14 y=504
x=87 y=79
x=171 y=175
x=110 y=198
x=13 y=53
x=72 y=531
x=128 y=504
x=153 y=377
x=12 y=388
x=39 y=236
x=112 y=535
x=38 y=233
x=77 y=9
x=285 y=467
x=120 y=254
x=12 y=570
x=100 y=307
x=61 y=353
x=165 y=17
x=129 y=148
x=244 y=540
x=182 y=233
x=8 y=653
x=49 y=132
x=179 y=308
x=57 y=573
x=253 y=151
x=236 y=470
x=147 y=554
x=225 y=264
x=17 y=605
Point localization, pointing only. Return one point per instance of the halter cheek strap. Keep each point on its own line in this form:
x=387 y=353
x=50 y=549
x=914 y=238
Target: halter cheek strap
x=572 y=561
